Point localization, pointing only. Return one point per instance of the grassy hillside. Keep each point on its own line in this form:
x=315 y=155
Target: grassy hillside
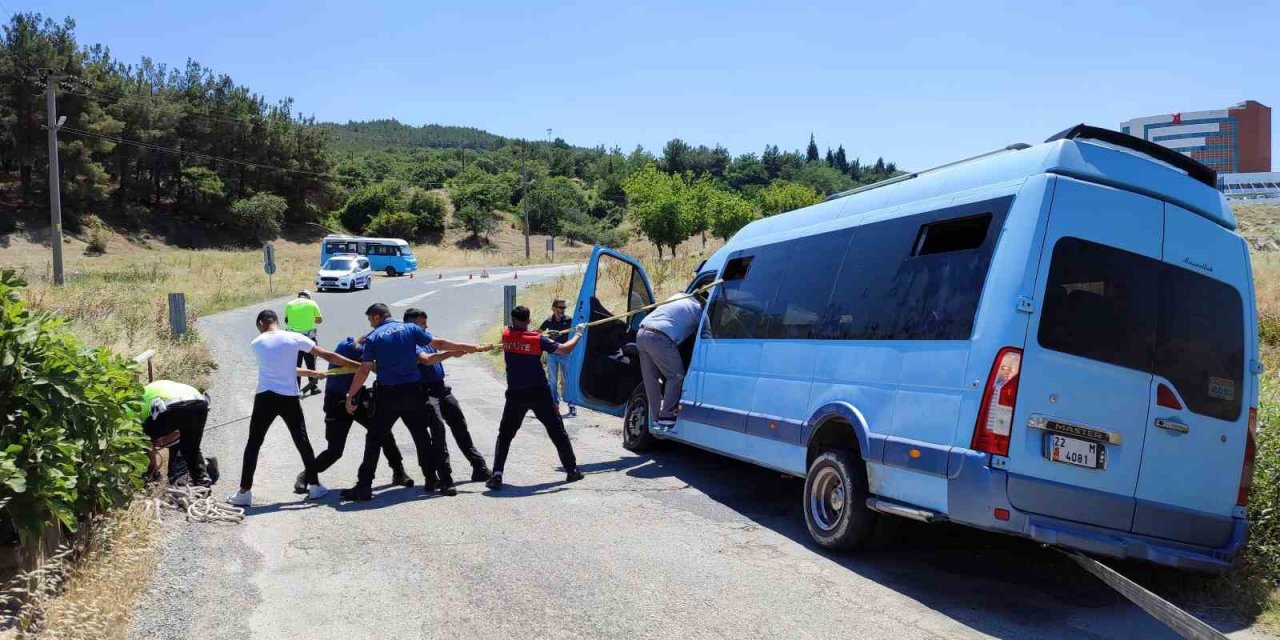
x=1260 y=225
x=390 y=134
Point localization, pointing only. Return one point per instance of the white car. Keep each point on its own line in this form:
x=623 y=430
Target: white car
x=345 y=271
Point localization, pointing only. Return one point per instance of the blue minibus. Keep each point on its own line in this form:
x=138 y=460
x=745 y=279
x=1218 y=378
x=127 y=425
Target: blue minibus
x=391 y=256
x=1055 y=341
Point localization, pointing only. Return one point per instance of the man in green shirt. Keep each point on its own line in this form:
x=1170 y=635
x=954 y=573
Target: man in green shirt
x=172 y=406
x=301 y=315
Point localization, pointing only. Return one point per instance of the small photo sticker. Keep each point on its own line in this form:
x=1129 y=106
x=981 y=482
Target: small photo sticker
x=1222 y=388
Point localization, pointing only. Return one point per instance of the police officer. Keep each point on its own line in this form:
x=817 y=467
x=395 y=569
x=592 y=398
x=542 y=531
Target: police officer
x=399 y=395
x=337 y=423
x=442 y=406
x=527 y=389
x=556 y=364
x=173 y=406
x=302 y=315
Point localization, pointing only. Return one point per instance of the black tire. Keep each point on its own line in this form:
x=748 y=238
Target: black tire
x=368 y=282
x=391 y=272
x=835 y=501
x=635 y=424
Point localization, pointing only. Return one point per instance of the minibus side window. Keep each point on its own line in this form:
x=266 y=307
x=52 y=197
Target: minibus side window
x=812 y=266
x=737 y=311
x=1100 y=303
x=915 y=278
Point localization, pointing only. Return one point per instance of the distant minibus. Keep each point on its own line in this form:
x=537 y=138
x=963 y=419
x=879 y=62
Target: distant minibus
x=391 y=256
x=1055 y=341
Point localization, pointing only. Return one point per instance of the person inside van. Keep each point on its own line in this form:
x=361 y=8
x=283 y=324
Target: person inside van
x=658 y=341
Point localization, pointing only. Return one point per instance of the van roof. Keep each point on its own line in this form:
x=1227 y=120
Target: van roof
x=338 y=236
x=1083 y=157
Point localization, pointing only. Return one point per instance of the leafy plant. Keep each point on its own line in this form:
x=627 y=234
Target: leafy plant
x=71 y=440
x=259 y=218
x=401 y=224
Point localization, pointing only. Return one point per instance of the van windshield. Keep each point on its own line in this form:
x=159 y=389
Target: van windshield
x=1121 y=308
x=338 y=264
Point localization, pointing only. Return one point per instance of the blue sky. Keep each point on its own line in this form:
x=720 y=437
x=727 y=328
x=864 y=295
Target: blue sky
x=918 y=82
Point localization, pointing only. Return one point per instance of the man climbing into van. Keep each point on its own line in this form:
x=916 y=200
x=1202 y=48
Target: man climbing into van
x=658 y=341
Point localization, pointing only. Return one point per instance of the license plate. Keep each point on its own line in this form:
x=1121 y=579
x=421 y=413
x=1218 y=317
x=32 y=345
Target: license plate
x=1073 y=451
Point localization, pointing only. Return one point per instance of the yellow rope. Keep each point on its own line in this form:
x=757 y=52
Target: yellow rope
x=622 y=316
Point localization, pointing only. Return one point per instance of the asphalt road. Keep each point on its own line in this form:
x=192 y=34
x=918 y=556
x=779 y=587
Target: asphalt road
x=679 y=544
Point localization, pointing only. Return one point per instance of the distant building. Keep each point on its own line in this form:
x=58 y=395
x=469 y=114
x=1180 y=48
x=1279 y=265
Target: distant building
x=1232 y=140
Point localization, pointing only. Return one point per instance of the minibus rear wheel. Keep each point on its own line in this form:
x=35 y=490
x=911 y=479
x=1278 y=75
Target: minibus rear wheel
x=835 y=500
x=391 y=272
x=635 y=423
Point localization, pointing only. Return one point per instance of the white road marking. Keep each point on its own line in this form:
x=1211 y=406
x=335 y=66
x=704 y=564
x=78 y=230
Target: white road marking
x=412 y=299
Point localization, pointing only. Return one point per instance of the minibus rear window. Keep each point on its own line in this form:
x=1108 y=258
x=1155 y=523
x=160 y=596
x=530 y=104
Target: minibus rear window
x=1125 y=309
x=1200 y=341
x=1100 y=303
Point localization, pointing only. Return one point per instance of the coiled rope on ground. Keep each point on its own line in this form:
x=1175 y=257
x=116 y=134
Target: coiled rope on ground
x=201 y=506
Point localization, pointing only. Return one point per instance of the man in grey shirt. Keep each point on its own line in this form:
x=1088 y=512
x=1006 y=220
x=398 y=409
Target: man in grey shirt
x=658 y=340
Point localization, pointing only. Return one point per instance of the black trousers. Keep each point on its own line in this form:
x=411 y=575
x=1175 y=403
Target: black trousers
x=407 y=403
x=310 y=360
x=188 y=419
x=267 y=406
x=337 y=425
x=538 y=400
x=447 y=408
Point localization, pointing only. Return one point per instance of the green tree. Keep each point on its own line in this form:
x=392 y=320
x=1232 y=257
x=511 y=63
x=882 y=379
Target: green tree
x=476 y=220
x=400 y=224
x=366 y=203
x=781 y=196
x=658 y=204
x=728 y=213
x=811 y=153
x=840 y=161
x=552 y=201
x=259 y=217
x=473 y=187
x=428 y=208
x=677 y=156
x=822 y=178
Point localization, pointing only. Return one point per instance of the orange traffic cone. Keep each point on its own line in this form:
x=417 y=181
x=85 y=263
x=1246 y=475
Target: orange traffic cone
x=439 y=276
x=410 y=275
x=470 y=276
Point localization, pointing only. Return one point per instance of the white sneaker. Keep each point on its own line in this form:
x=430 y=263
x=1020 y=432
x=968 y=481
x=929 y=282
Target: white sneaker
x=316 y=491
x=240 y=499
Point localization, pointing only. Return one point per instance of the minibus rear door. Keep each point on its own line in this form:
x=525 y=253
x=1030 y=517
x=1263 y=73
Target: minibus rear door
x=1195 y=442
x=603 y=370
x=1076 y=438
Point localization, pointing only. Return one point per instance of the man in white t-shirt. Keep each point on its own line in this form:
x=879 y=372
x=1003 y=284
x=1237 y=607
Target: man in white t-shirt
x=277 y=397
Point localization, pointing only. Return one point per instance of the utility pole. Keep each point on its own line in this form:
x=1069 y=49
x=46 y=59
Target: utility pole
x=55 y=176
x=524 y=200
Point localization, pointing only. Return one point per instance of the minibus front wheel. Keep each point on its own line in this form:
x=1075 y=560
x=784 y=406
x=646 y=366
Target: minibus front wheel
x=635 y=423
x=835 y=500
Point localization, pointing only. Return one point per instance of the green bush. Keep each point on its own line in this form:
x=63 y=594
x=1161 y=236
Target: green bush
x=477 y=220
x=429 y=209
x=258 y=218
x=71 y=442
x=401 y=224
x=366 y=203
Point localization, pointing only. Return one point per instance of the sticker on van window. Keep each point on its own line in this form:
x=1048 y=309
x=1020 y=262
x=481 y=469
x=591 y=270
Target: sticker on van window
x=1222 y=388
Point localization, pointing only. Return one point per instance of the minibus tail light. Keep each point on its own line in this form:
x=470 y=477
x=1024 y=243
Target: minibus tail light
x=1250 y=450
x=995 y=417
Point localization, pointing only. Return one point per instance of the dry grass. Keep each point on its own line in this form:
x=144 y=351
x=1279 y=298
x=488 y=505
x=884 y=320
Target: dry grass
x=87 y=588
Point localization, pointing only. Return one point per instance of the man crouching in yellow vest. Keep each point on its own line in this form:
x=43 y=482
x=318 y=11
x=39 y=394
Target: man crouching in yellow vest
x=173 y=406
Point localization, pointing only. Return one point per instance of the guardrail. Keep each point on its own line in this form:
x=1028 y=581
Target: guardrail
x=146 y=357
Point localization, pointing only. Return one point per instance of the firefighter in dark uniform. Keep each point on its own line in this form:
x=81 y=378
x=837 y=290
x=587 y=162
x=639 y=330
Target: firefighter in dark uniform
x=442 y=407
x=527 y=389
x=337 y=423
x=398 y=395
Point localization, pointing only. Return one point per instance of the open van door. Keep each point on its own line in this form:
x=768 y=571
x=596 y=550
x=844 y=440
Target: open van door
x=604 y=370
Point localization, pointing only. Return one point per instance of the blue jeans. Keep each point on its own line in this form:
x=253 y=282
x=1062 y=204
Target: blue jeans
x=557 y=365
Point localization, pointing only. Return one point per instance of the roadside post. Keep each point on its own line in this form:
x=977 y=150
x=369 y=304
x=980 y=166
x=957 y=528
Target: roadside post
x=551 y=248
x=508 y=302
x=177 y=315
x=269 y=264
